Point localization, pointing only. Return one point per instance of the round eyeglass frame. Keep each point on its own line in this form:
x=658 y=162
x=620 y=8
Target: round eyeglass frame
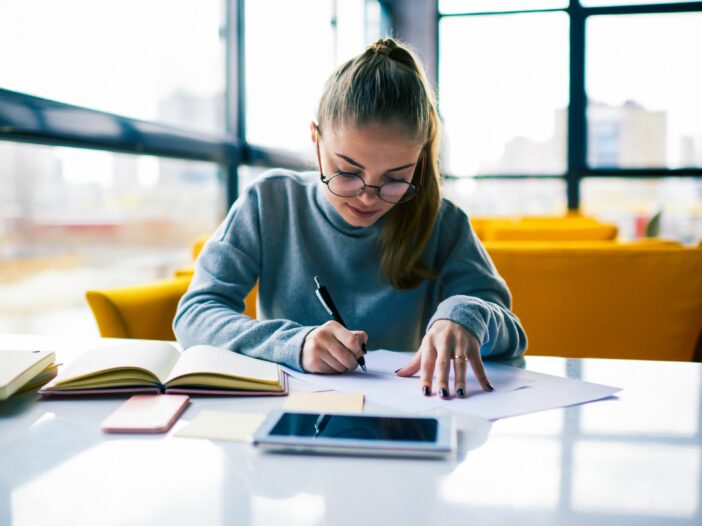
x=411 y=193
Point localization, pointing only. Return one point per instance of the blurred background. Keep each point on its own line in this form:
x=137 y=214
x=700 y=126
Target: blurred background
x=127 y=128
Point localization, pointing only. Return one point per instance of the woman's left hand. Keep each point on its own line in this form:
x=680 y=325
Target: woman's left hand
x=444 y=344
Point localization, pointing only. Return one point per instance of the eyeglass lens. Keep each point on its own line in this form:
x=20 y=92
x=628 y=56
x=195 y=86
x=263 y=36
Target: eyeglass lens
x=350 y=185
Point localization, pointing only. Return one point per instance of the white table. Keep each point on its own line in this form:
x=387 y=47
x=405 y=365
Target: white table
x=635 y=459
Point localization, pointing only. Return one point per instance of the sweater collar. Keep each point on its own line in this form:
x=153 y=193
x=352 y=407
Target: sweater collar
x=334 y=218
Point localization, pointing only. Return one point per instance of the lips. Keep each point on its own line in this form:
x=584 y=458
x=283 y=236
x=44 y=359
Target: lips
x=359 y=212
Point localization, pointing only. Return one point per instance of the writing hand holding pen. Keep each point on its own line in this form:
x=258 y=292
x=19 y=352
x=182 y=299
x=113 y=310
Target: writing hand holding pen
x=332 y=348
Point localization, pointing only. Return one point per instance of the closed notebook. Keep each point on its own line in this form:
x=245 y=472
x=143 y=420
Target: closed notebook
x=22 y=370
x=141 y=366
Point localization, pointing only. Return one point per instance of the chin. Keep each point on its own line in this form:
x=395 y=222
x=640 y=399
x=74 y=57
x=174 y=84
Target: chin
x=356 y=221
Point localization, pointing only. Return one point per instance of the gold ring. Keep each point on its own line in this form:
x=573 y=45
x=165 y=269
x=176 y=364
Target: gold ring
x=462 y=358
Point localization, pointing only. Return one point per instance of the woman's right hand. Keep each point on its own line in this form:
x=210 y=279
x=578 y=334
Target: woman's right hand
x=332 y=348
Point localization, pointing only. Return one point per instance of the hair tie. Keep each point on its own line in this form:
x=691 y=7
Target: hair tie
x=381 y=48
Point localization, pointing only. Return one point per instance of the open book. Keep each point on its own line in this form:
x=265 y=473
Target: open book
x=155 y=366
x=21 y=371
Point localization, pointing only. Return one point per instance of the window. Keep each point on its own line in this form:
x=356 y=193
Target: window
x=503 y=93
x=644 y=109
x=74 y=219
x=289 y=57
x=161 y=60
x=633 y=203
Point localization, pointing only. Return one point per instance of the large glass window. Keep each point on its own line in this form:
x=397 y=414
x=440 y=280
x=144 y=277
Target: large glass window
x=644 y=104
x=503 y=93
x=73 y=219
x=289 y=57
x=508 y=197
x=160 y=60
x=670 y=207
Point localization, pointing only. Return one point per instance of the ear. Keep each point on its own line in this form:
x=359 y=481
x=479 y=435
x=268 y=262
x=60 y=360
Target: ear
x=313 y=131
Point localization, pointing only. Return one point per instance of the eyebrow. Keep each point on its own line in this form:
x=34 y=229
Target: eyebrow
x=359 y=165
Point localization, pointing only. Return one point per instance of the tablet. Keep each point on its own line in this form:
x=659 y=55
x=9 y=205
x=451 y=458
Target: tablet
x=376 y=435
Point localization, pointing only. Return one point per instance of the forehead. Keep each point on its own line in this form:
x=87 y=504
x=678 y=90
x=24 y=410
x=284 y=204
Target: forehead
x=386 y=144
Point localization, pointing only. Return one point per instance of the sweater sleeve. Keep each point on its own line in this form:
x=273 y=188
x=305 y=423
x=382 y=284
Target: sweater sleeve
x=474 y=295
x=211 y=311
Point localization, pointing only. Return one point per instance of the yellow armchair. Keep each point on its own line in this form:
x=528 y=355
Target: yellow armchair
x=606 y=299
x=147 y=311
x=139 y=311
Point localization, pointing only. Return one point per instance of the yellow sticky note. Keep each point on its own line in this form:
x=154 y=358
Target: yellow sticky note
x=325 y=402
x=222 y=425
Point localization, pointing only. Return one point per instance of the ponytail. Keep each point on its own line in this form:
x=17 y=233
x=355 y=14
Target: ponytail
x=386 y=84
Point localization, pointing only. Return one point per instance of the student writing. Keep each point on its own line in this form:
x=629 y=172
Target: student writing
x=403 y=264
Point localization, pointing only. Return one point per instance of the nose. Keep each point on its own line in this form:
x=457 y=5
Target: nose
x=369 y=195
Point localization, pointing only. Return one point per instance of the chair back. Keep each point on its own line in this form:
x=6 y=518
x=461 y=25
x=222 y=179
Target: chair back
x=605 y=300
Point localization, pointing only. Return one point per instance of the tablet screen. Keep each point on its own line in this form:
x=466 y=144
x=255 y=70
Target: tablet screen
x=356 y=427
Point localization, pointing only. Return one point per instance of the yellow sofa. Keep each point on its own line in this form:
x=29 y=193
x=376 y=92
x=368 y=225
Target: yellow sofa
x=572 y=227
x=606 y=299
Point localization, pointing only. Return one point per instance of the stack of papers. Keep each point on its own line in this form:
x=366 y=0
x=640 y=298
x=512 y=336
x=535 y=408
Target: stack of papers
x=516 y=391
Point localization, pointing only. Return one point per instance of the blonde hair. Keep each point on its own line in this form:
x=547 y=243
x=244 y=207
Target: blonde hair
x=386 y=84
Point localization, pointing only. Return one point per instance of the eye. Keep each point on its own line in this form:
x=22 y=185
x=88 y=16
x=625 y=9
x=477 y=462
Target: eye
x=389 y=179
x=348 y=174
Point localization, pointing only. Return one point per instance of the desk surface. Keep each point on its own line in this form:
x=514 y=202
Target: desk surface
x=634 y=459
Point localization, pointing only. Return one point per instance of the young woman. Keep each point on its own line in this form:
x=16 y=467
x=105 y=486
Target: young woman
x=402 y=264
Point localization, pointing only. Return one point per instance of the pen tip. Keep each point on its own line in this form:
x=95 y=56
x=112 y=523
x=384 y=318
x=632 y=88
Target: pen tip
x=365 y=369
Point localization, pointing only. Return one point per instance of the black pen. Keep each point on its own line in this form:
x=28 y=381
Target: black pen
x=328 y=304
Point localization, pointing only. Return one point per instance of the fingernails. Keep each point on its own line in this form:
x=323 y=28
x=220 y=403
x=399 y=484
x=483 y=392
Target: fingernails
x=490 y=387
x=398 y=370
x=426 y=390
x=461 y=392
x=444 y=393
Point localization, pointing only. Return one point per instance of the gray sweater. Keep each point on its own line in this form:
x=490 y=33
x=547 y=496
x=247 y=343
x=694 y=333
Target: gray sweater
x=283 y=231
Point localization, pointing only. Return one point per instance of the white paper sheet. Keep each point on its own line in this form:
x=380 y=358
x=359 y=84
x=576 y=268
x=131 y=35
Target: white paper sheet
x=517 y=391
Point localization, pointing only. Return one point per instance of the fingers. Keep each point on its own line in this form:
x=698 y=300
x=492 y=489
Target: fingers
x=413 y=366
x=331 y=348
x=350 y=340
x=460 y=368
x=443 y=366
x=428 y=357
x=444 y=345
x=476 y=362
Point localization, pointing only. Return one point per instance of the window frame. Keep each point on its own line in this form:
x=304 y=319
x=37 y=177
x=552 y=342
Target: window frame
x=21 y=114
x=576 y=151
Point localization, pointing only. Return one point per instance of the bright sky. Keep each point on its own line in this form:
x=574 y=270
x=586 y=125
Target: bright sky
x=501 y=76
x=121 y=56
x=504 y=76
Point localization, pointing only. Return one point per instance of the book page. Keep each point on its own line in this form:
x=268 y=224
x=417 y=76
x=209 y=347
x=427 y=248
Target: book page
x=155 y=357
x=206 y=359
x=19 y=367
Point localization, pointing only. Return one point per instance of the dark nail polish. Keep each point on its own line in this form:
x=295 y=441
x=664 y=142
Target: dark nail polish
x=444 y=392
x=490 y=387
x=364 y=349
x=398 y=369
x=426 y=390
x=461 y=392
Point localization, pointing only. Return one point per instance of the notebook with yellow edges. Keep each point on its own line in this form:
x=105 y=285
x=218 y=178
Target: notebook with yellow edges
x=24 y=370
x=142 y=366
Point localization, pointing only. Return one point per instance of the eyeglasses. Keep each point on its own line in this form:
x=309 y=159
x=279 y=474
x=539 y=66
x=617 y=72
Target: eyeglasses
x=346 y=184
